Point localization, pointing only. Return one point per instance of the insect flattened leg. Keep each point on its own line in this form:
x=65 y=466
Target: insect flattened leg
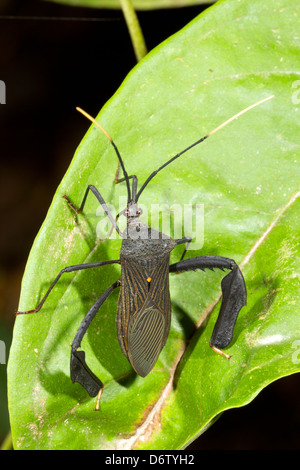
x=80 y=372
x=233 y=290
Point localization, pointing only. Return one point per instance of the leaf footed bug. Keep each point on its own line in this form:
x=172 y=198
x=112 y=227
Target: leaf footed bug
x=144 y=305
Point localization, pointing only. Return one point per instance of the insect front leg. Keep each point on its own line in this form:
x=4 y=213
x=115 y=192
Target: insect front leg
x=96 y=193
x=134 y=189
x=234 y=295
x=80 y=372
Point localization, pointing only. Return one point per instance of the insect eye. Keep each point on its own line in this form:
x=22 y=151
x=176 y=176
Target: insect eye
x=139 y=212
x=126 y=212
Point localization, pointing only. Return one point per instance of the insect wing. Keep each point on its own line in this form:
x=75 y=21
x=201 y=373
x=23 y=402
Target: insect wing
x=145 y=338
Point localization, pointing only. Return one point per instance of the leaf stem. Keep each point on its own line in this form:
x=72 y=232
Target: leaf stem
x=134 y=29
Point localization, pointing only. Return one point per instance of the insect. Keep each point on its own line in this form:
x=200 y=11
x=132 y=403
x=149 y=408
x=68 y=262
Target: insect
x=144 y=305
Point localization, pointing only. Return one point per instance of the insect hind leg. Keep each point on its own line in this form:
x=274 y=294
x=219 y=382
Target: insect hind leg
x=80 y=372
x=233 y=290
x=98 y=196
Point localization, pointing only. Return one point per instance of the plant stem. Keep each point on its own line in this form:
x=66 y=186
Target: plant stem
x=134 y=29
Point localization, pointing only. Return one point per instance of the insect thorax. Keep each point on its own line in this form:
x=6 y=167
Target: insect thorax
x=143 y=241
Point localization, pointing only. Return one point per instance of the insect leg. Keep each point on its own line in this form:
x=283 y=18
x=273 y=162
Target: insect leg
x=233 y=290
x=186 y=240
x=134 y=182
x=68 y=269
x=80 y=372
x=100 y=199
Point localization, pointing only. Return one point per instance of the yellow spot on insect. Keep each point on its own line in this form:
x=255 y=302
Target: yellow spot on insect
x=148 y=279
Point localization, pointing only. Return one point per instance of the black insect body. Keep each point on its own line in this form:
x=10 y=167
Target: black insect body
x=145 y=295
x=144 y=306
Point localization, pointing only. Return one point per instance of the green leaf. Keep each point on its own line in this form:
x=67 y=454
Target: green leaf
x=247 y=177
x=137 y=4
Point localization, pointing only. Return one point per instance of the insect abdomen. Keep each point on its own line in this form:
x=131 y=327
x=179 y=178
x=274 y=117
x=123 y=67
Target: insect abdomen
x=145 y=338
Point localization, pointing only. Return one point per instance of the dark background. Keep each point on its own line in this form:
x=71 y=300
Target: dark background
x=50 y=67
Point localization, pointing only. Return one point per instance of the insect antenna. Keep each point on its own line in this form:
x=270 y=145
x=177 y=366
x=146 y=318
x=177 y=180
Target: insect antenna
x=114 y=146
x=199 y=141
